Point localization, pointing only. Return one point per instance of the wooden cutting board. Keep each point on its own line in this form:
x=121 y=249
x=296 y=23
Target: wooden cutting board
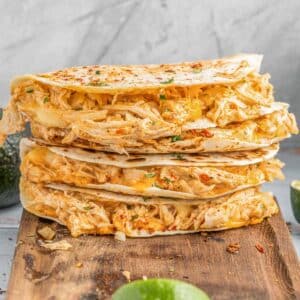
x=93 y=268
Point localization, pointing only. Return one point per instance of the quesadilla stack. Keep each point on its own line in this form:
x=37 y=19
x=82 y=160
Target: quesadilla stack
x=150 y=149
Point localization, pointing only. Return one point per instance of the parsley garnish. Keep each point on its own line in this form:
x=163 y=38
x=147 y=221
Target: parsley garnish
x=175 y=138
x=162 y=97
x=178 y=156
x=46 y=99
x=157 y=185
x=150 y=175
x=167 y=180
x=146 y=198
x=29 y=90
x=86 y=207
x=168 y=81
x=97 y=72
x=97 y=84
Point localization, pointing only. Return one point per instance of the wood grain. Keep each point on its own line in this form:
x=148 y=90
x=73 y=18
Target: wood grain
x=39 y=273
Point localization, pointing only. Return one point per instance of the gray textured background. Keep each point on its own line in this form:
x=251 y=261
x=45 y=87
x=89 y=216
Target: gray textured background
x=38 y=36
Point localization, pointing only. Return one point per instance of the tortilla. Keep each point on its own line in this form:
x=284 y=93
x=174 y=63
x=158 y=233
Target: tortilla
x=86 y=211
x=116 y=78
x=212 y=159
x=131 y=107
x=204 y=180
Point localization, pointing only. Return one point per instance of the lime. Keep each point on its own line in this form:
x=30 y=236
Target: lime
x=295 y=198
x=159 y=289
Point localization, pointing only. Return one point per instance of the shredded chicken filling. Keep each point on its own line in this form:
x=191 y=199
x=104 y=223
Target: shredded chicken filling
x=88 y=214
x=155 y=110
x=266 y=130
x=43 y=166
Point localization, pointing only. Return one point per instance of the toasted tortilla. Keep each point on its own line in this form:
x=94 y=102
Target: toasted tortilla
x=139 y=160
x=121 y=78
x=86 y=211
x=164 y=177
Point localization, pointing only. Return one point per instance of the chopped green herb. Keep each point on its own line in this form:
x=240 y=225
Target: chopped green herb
x=168 y=81
x=29 y=90
x=157 y=185
x=86 y=207
x=178 y=156
x=97 y=72
x=162 y=97
x=97 y=84
x=175 y=138
x=46 y=99
x=153 y=122
x=150 y=175
x=146 y=198
x=167 y=180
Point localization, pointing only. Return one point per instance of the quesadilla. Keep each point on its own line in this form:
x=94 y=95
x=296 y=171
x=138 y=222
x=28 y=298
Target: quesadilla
x=177 y=176
x=87 y=211
x=189 y=107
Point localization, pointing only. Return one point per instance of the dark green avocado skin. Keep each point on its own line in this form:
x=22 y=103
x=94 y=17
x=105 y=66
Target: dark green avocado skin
x=9 y=170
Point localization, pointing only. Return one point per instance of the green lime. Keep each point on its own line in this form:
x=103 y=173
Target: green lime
x=295 y=198
x=159 y=289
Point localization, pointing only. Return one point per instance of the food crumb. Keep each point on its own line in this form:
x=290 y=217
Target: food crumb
x=20 y=242
x=260 y=248
x=60 y=245
x=233 y=248
x=120 y=236
x=126 y=274
x=47 y=233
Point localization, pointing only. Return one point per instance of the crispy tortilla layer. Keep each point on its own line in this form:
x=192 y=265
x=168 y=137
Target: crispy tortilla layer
x=88 y=212
x=240 y=158
x=40 y=165
x=247 y=135
x=122 y=78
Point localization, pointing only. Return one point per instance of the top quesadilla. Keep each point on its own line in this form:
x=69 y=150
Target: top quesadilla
x=123 y=108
